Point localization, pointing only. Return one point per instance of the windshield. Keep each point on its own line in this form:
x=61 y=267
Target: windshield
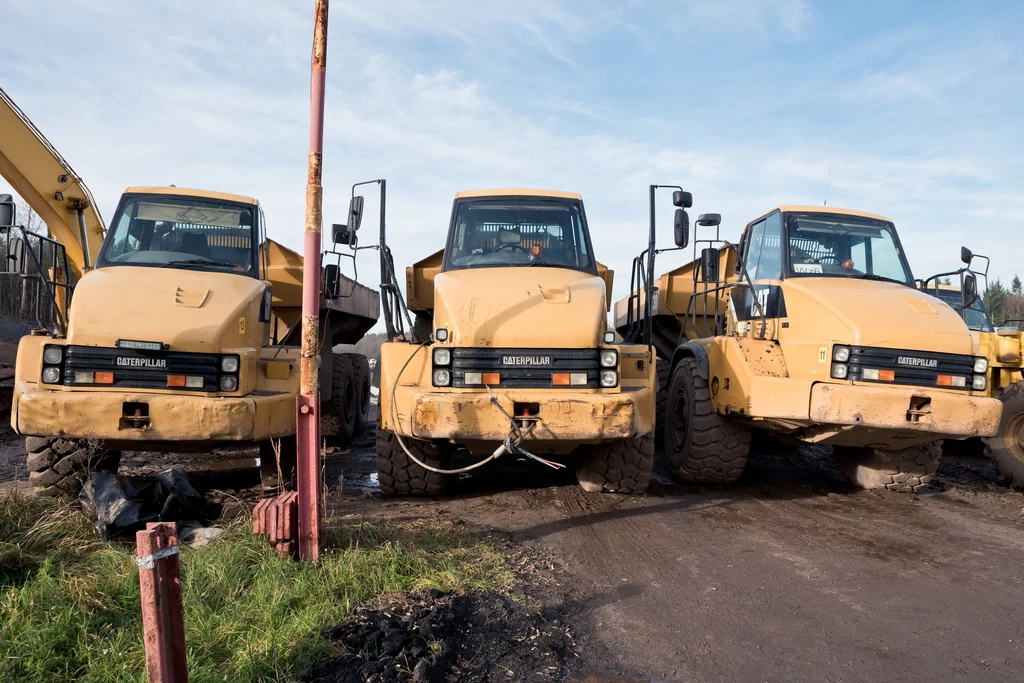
x=181 y=232
x=519 y=231
x=845 y=246
x=976 y=317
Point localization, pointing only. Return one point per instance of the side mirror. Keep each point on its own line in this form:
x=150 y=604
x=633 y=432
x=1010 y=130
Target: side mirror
x=682 y=199
x=339 y=233
x=709 y=219
x=709 y=264
x=332 y=281
x=966 y=255
x=969 y=291
x=355 y=213
x=682 y=228
x=8 y=212
x=15 y=256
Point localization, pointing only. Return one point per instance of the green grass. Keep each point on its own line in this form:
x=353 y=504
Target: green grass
x=69 y=602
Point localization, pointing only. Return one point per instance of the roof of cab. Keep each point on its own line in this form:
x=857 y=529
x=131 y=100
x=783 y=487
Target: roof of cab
x=518 y=193
x=191 y=192
x=822 y=209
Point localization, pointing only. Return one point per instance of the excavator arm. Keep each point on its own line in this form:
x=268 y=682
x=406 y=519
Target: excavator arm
x=42 y=177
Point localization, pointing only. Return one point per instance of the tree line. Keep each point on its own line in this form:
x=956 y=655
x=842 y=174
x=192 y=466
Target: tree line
x=1005 y=304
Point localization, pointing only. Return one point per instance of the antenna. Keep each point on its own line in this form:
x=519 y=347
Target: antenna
x=827 y=183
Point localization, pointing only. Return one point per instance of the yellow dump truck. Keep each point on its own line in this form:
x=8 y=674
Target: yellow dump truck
x=811 y=327
x=1002 y=346
x=511 y=353
x=182 y=331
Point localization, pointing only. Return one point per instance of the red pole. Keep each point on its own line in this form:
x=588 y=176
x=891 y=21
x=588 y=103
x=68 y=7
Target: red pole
x=163 y=622
x=307 y=417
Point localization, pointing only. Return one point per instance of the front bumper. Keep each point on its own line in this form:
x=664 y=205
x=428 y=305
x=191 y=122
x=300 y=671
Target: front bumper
x=102 y=415
x=562 y=416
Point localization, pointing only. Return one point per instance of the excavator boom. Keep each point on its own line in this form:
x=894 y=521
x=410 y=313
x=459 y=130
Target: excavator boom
x=42 y=177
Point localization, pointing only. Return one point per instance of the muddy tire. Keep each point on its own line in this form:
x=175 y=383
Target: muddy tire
x=622 y=466
x=59 y=467
x=907 y=470
x=398 y=475
x=1007 y=448
x=663 y=377
x=273 y=480
x=338 y=413
x=361 y=382
x=700 y=445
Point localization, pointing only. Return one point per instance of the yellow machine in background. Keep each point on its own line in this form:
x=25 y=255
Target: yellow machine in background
x=511 y=354
x=811 y=328
x=182 y=333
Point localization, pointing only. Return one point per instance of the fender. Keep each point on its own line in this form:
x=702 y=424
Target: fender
x=693 y=349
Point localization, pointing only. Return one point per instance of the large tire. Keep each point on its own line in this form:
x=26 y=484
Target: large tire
x=663 y=376
x=361 y=381
x=622 y=466
x=398 y=475
x=1007 y=447
x=907 y=470
x=701 y=445
x=338 y=413
x=59 y=467
x=270 y=478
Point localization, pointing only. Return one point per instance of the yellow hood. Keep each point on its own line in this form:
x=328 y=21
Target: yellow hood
x=190 y=310
x=520 y=307
x=876 y=313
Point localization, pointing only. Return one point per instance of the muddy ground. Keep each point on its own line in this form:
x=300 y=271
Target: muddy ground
x=790 y=574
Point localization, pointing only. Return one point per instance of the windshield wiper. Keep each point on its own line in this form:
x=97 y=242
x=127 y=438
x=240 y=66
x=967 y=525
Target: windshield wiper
x=198 y=262
x=882 y=278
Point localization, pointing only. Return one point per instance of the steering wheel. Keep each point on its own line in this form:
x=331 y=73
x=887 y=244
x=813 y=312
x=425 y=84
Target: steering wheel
x=834 y=259
x=513 y=246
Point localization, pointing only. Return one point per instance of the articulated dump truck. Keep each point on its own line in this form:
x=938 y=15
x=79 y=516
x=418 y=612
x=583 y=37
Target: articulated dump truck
x=182 y=332
x=811 y=328
x=511 y=353
x=1002 y=347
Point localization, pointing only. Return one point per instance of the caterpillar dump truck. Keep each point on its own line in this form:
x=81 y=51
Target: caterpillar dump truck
x=511 y=353
x=1002 y=347
x=182 y=332
x=810 y=328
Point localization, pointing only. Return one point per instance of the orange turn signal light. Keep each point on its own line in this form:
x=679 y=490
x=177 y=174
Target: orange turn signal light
x=175 y=380
x=944 y=380
x=491 y=378
x=560 y=379
x=886 y=375
x=104 y=378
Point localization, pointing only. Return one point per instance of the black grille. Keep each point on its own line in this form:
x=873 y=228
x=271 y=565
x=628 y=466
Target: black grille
x=150 y=376
x=916 y=368
x=526 y=376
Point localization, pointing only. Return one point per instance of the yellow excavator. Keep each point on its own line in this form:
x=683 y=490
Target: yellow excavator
x=175 y=330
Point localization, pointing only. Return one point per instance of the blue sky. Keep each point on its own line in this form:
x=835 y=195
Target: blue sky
x=914 y=109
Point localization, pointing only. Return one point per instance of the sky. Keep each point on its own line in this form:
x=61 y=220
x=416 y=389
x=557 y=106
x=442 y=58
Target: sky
x=907 y=109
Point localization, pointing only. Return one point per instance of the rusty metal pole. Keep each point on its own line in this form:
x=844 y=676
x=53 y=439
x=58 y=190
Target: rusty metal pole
x=163 y=622
x=308 y=401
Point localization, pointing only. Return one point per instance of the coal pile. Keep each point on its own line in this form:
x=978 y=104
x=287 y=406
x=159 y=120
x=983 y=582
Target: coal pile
x=436 y=638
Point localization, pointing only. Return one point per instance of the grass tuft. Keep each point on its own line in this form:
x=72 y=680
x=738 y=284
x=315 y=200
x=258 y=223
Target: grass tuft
x=69 y=602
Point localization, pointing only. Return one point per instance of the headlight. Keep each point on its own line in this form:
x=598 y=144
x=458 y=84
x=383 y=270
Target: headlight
x=51 y=375
x=442 y=356
x=609 y=359
x=229 y=364
x=839 y=371
x=609 y=378
x=980 y=366
x=442 y=378
x=228 y=383
x=979 y=383
x=841 y=354
x=441 y=334
x=53 y=355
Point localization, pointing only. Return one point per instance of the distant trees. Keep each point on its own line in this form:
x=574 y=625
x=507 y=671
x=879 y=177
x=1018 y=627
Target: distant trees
x=369 y=345
x=1005 y=303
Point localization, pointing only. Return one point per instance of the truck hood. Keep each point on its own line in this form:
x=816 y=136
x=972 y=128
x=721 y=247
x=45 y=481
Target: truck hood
x=521 y=307
x=883 y=314
x=189 y=310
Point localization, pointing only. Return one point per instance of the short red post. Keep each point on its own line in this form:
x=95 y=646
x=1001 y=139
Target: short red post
x=163 y=621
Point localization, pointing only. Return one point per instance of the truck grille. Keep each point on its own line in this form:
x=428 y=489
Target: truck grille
x=525 y=368
x=915 y=368
x=141 y=369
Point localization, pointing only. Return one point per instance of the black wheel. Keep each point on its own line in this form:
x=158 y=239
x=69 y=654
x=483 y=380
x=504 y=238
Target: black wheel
x=663 y=369
x=338 y=413
x=1007 y=447
x=700 y=444
x=622 y=466
x=907 y=470
x=278 y=464
x=361 y=385
x=59 y=467
x=398 y=475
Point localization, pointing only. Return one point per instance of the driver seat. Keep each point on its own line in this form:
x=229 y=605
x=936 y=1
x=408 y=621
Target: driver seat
x=507 y=236
x=195 y=243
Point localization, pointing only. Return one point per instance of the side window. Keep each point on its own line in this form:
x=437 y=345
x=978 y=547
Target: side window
x=122 y=241
x=764 y=249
